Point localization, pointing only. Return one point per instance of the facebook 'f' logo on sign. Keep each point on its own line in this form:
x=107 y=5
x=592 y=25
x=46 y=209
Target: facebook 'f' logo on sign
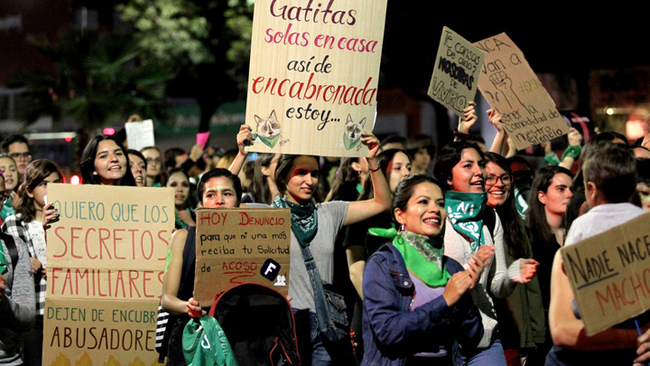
x=270 y=269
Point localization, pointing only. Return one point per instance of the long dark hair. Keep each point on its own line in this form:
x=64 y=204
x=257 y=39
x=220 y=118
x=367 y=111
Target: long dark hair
x=447 y=159
x=344 y=174
x=384 y=159
x=35 y=173
x=515 y=235
x=259 y=187
x=536 y=222
x=88 y=162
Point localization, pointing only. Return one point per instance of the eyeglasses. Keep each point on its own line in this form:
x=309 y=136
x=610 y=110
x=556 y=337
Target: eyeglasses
x=492 y=179
x=157 y=160
x=17 y=155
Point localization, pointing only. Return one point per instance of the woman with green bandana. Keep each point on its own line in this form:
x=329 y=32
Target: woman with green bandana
x=315 y=226
x=217 y=188
x=472 y=229
x=417 y=306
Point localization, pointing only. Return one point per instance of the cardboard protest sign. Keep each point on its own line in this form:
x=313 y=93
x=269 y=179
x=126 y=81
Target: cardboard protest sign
x=106 y=257
x=512 y=88
x=139 y=134
x=456 y=72
x=241 y=245
x=610 y=274
x=312 y=86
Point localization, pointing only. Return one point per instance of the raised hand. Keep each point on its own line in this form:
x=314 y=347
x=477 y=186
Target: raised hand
x=371 y=142
x=575 y=138
x=495 y=120
x=468 y=119
x=244 y=138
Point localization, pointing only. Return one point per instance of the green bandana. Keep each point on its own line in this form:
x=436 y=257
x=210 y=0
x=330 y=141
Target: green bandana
x=349 y=144
x=423 y=258
x=383 y=233
x=304 y=219
x=464 y=210
x=520 y=203
x=3 y=262
x=268 y=142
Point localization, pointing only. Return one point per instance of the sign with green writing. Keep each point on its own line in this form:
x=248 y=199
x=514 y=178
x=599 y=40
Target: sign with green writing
x=106 y=257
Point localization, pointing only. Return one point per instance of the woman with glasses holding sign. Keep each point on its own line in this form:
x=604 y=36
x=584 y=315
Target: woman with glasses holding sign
x=474 y=229
x=33 y=217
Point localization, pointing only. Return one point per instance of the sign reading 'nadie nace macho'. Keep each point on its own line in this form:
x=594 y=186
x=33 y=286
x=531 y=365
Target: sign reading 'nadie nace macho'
x=610 y=274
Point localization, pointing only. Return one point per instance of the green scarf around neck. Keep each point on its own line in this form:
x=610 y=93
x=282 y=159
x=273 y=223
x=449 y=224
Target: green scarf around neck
x=304 y=219
x=465 y=211
x=423 y=257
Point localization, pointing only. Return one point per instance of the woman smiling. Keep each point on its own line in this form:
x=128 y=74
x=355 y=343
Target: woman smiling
x=105 y=161
x=417 y=307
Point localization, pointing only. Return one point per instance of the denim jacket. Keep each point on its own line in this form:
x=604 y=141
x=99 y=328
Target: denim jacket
x=392 y=331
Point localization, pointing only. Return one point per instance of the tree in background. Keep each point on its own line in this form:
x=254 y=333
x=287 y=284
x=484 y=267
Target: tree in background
x=206 y=42
x=99 y=77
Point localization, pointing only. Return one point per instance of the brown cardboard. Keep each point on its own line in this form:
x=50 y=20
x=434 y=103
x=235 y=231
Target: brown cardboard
x=106 y=257
x=512 y=88
x=610 y=274
x=456 y=72
x=232 y=246
x=313 y=67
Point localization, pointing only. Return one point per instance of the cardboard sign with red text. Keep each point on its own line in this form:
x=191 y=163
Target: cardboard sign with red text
x=610 y=274
x=456 y=72
x=512 y=88
x=105 y=261
x=241 y=245
x=314 y=68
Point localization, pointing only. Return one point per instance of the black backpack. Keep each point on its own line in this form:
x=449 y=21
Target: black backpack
x=259 y=324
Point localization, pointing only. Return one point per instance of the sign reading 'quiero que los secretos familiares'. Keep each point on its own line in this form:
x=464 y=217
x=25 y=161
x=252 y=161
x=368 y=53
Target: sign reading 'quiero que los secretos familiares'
x=105 y=262
x=312 y=86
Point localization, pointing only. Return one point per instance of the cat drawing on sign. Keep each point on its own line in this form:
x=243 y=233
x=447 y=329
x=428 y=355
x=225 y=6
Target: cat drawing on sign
x=268 y=129
x=352 y=133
